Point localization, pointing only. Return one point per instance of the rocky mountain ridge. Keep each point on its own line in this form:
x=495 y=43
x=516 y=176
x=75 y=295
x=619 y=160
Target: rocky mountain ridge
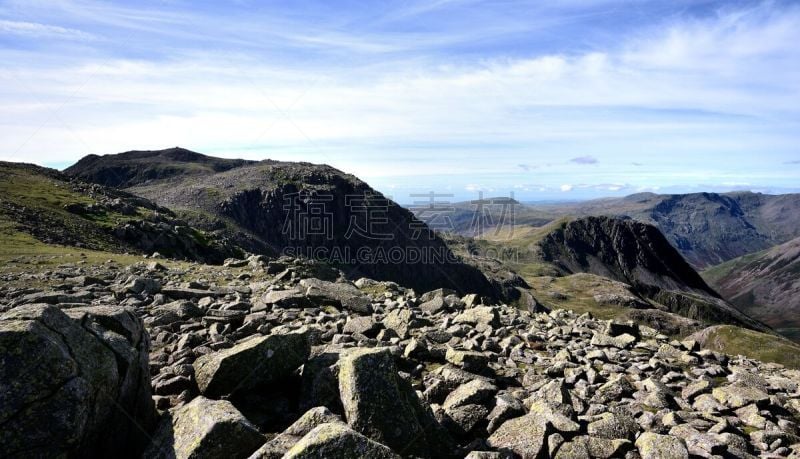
x=706 y=228
x=304 y=209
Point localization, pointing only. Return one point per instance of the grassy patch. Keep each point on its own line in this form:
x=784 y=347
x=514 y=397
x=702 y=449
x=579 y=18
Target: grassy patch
x=734 y=340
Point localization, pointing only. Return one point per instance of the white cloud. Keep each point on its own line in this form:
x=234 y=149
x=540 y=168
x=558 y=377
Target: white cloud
x=566 y=187
x=34 y=29
x=670 y=95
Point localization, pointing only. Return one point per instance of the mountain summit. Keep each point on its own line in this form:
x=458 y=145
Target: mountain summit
x=292 y=208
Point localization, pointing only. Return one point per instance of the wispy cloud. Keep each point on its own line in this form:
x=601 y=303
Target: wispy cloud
x=36 y=30
x=451 y=92
x=584 y=160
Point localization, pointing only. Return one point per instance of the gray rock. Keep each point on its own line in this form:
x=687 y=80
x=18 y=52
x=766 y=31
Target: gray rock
x=337 y=441
x=654 y=446
x=475 y=391
x=205 y=428
x=738 y=395
x=480 y=315
x=73 y=387
x=254 y=362
x=380 y=405
x=341 y=294
x=469 y=360
x=524 y=436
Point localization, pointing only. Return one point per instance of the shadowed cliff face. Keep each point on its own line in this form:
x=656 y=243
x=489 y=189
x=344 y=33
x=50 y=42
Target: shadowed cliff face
x=295 y=209
x=638 y=254
x=624 y=250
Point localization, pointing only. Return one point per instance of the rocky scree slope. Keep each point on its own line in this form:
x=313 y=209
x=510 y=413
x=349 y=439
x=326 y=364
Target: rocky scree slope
x=766 y=285
x=256 y=359
x=264 y=204
x=58 y=209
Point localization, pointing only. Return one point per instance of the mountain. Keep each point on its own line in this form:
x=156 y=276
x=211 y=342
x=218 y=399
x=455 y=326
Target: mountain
x=637 y=254
x=56 y=209
x=291 y=208
x=612 y=267
x=765 y=285
x=706 y=228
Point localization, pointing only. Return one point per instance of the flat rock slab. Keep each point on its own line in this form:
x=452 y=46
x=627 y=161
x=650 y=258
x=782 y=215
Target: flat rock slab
x=252 y=363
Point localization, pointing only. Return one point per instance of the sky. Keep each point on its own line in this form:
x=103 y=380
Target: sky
x=548 y=100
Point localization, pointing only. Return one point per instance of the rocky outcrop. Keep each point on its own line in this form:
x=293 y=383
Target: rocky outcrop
x=74 y=386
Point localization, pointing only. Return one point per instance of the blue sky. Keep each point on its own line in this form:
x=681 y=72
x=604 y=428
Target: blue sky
x=549 y=100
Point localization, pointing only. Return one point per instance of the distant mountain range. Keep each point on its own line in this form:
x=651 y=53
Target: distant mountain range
x=706 y=228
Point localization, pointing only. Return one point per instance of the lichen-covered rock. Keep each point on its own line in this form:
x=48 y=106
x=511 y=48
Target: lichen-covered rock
x=380 y=405
x=280 y=445
x=524 y=436
x=469 y=360
x=205 y=428
x=254 y=362
x=400 y=321
x=655 y=446
x=484 y=316
x=337 y=441
x=738 y=395
x=341 y=294
x=76 y=387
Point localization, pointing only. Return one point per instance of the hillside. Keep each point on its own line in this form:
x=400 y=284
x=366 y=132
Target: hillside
x=706 y=228
x=632 y=267
x=765 y=285
x=292 y=208
x=40 y=204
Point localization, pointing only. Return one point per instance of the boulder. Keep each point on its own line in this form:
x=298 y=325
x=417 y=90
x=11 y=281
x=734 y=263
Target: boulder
x=469 y=360
x=341 y=294
x=77 y=387
x=380 y=405
x=655 y=446
x=205 y=428
x=524 y=436
x=251 y=363
x=337 y=441
x=483 y=316
x=400 y=321
x=280 y=445
x=738 y=395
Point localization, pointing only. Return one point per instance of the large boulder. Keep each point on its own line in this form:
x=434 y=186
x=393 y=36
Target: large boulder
x=384 y=407
x=252 y=363
x=339 y=294
x=654 y=446
x=524 y=436
x=337 y=441
x=207 y=429
x=73 y=386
